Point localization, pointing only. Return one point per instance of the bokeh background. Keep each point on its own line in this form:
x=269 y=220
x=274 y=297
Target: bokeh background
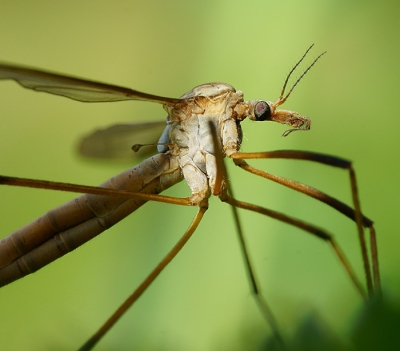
x=202 y=301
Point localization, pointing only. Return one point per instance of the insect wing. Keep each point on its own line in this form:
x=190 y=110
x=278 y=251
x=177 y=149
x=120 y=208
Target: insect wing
x=75 y=88
x=117 y=141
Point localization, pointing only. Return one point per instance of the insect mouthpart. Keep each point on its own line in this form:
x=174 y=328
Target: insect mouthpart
x=297 y=122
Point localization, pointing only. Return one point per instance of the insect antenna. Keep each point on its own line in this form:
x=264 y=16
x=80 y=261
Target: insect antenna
x=282 y=99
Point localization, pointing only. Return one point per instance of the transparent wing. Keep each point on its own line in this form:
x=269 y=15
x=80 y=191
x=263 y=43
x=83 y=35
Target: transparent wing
x=117 y=141
x=75 y=88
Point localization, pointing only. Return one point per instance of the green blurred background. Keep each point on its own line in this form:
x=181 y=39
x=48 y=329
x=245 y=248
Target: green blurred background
x=202 y=301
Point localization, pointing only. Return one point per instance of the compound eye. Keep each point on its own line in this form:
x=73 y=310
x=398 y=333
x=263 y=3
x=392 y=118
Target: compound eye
x=262 y=111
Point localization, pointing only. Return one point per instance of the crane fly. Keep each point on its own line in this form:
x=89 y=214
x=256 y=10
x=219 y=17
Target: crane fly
x=202 y=127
